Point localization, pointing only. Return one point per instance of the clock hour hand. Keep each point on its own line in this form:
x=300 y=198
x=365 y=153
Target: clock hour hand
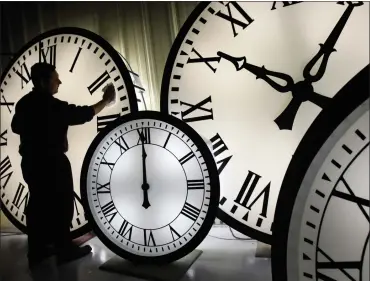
x=145 y=185
x=261 y=73
x=328 y=47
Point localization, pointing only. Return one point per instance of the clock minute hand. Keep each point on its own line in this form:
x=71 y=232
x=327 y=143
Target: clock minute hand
x=261 y=73
x=328 y=47
x=145 y=185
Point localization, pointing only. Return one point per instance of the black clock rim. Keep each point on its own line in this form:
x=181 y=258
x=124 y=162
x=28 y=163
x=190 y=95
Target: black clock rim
x=214 y=184
x=352 y=95
x=222 y=215
x=122 y=69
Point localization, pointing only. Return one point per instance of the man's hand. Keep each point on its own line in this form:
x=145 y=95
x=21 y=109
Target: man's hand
x=109 y=93
x=108 y=96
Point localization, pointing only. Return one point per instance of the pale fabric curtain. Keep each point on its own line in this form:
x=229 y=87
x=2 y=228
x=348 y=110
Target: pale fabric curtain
x=142 y=32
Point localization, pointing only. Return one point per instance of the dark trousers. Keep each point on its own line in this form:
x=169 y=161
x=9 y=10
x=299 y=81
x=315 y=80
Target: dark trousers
x=50 y=208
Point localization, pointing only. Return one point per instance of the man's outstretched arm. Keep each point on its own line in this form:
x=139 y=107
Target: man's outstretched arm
x=76 y=115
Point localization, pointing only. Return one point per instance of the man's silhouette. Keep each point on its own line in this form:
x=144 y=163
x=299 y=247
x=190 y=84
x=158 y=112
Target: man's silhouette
x=42 y=121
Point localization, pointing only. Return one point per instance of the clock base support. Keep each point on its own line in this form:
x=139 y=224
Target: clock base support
x=170 y=272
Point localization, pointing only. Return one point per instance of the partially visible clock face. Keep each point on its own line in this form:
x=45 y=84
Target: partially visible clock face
x=333 y=232
x=322 y=216
x=151 y=187
x=85 y=63
x=251 y=77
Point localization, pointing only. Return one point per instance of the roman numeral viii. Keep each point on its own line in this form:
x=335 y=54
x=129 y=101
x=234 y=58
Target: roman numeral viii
x=109 y=210
x=245 y=195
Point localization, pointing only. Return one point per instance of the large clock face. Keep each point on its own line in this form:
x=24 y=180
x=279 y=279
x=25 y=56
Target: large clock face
x=85 y=63
x=322 y=217
x=151 y=187
x=251 y=77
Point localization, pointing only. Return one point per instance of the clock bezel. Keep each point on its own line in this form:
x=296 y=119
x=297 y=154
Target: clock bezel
x=213 y=177
x=122 y=69
x=348 y=99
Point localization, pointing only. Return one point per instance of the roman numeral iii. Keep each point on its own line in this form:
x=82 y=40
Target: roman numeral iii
x=190 y=211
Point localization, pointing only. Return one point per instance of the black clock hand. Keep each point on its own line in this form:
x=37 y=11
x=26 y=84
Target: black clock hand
x=145 y=185
x=303 y=90
x=261 y=72
x=301 y=93
x=328 y=47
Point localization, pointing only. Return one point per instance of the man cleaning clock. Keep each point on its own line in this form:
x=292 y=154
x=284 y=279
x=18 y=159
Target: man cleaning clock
x=42 y=121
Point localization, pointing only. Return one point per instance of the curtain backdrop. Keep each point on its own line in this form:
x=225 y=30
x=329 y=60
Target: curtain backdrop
x=142 y=32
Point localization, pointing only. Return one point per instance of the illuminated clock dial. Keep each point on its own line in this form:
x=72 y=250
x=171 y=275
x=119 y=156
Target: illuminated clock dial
x=151 y=188
x=322 y=215
x=85 y=63
x=251 y=77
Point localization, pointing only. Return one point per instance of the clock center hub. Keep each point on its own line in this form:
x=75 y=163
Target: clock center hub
x=302 y=90
x=165 y=177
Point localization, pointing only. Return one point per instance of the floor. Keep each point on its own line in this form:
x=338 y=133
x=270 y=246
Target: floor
x=223 y=258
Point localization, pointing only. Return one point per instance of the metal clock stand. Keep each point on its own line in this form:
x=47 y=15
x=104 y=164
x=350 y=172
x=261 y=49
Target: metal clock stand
x=168 y=272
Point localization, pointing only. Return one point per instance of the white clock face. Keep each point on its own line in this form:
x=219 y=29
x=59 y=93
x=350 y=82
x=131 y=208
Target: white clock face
x=332 y=225
x=85 y=63
x=255 y=125
x=151 y=198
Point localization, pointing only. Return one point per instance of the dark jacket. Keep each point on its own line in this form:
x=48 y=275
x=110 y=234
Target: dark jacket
x=42 y=121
